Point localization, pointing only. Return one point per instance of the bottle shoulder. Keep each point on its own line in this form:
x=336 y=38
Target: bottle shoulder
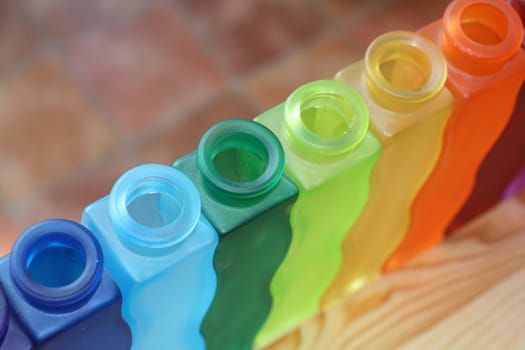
x=126 y=266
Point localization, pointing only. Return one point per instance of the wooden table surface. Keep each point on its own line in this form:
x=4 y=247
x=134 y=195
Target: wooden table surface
x=467 y=293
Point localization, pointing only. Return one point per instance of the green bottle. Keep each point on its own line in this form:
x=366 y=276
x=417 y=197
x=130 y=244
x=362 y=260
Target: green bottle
x=323 y=127
x=238 y=170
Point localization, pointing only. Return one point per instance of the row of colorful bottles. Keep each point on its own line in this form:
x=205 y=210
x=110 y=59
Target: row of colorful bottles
x=271 y=220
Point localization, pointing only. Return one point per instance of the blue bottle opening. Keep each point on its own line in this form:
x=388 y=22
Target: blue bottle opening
x=153 y=207
x=4 y=317
x=56 y=264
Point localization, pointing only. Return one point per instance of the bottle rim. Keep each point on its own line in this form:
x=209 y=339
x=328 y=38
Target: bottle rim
x=493 y=53
x=438 y=66
x=49 y=233
x=145 y=239
x=218 y=138
x=357 y=121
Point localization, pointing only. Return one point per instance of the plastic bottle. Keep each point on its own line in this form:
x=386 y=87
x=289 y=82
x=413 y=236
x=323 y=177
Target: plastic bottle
x=159 y=248
x=238 y=170
x=402 y=81
x=57 y=294
x=516 y=185
x=323 y=126
x=481 y=42
x=503 y=162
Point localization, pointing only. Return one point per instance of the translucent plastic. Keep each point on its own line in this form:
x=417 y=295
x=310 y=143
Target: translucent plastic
x=58 y=295
x=401 y=80
x=481 y=42
x=323 y=127
x=159 y=248
x=502 y=163
x=238 y=170
x=516 y=185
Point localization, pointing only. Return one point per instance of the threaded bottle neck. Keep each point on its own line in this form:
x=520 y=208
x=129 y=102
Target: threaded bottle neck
x=240 y=159
x=153 y=207
x=480 y=36
x=57 y=265
x=403 y=69
x=325 y=119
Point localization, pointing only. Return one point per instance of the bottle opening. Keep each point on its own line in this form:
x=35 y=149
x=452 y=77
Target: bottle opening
x=325 y=118
x=151 y=207
x=484 y=24
x=480 y=36
x=405 y=67
x=56 y=265
x=240 y=158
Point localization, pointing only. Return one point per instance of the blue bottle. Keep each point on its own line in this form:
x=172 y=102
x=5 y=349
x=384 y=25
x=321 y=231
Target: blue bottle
x=57 y=294
x=159 y=249
x=11 y=336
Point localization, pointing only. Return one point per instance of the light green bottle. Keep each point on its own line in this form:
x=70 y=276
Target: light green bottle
x=323 y=127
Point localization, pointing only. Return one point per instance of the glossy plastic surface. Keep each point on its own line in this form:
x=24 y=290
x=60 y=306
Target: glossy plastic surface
x=57 y=290
x=486 y=66
x=323 y=127
x=159 y=249
x=401 y=80
x=238 y=170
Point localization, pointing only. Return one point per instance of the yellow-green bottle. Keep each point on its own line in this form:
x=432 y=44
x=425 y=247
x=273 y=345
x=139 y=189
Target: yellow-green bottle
x=402 y=81
x=323 y=127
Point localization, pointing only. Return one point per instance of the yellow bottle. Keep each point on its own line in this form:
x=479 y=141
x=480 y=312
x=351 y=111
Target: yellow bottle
x=402 y=81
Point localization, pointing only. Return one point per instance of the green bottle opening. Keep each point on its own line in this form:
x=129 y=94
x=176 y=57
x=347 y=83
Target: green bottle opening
x=241 y=158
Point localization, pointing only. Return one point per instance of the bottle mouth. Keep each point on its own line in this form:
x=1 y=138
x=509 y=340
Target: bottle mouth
x=326 y=117
x=241 y=157
x=57 y=265
x=405 y=66
x=4 y=317
x=153 y=207
x=485 y=30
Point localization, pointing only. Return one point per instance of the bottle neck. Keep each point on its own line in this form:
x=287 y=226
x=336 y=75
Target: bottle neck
x=57 y=265
x=403 y=70
x=480 y=36
x=240 y=160
x=153 y=208
x=324 y=120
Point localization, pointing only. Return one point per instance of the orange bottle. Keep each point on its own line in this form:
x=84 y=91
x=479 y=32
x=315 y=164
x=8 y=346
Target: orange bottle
x=504 y=161
x=481 y=42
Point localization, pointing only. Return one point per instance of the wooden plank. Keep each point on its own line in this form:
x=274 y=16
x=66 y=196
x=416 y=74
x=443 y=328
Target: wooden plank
x=465 y=293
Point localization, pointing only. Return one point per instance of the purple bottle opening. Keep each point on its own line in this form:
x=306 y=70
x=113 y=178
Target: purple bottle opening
x=516 y=185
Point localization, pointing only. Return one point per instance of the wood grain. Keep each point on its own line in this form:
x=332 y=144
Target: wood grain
x=467 y=293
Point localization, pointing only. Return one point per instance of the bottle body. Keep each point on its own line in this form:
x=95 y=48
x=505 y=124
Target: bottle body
x=411 y=135
x=254 y=228
x=484 y=86
x=497 y=171
x=58 y=295
x=166 y=288
x=332 y=193
x=502 y=163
